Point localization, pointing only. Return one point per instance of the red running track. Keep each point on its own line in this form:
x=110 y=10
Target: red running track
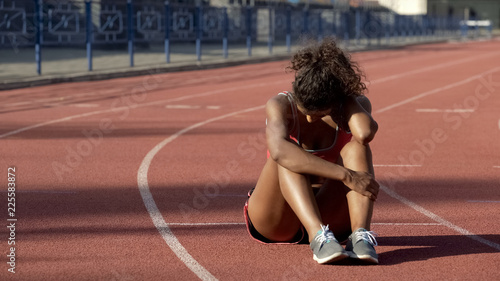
x=144 y=178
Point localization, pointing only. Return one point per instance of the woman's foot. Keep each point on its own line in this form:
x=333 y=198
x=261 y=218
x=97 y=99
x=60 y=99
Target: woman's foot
x=326 y=248
x=361 y=245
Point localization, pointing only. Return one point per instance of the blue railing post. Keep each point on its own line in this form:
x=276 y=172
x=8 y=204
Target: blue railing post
x=358 y=26
x=431 y=22
x=288 y=29
x=249 y=30
x=463 y=29
x=425 y=26
x=225 y=34
x=437 y=27
x=432 y=25
x=387 y=31
x=411 y=26
x=345 y=17
x=130 y=31
x=476 y=29
x=199 y=31
x=396 y=27
x=320 y=27
x=405 y=27
x=334 y=23
x=440 y=25
x=270 y=36
x=89 y=32
x=167 y=31
x=379 y=28
x=399 y=25
x=421 y=26
x=38 y=36
x=306 y=21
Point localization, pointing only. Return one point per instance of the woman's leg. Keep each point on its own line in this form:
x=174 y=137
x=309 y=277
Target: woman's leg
x=297 y=191
x=282 y=202
x=268 y=210
x=341 y=208
x=358 y=157
x=333 y=207
x=361 y=242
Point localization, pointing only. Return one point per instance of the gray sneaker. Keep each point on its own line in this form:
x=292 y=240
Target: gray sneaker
x=361 y=245
x=326 y=248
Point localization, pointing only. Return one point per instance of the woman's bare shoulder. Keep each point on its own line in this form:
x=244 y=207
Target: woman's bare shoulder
x=278 y=103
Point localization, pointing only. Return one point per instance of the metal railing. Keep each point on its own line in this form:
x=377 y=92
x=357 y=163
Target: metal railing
x=97 y=24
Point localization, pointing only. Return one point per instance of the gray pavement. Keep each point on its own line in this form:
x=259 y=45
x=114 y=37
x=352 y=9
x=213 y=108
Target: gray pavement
x=18 y=66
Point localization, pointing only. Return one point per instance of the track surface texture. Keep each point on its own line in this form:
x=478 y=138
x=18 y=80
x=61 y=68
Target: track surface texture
x=145 y=178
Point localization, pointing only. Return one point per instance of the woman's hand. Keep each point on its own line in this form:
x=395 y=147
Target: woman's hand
x=362 y=183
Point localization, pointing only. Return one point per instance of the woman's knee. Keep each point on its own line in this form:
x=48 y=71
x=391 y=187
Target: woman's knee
x=354 y=150
x=357 y=157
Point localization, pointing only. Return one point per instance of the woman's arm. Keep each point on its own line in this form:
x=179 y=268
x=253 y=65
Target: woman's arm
x=287 y=153
x=360 y=121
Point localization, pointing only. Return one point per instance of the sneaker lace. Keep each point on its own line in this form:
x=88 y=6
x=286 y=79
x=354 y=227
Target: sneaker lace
x=368 y=236
x=326 y=235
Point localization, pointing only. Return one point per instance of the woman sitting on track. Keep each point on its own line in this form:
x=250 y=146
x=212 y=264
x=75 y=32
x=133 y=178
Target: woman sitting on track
x=319 y=172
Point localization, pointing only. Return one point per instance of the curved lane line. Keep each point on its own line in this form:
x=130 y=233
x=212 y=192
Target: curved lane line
x=154 y=212
x=148 y=199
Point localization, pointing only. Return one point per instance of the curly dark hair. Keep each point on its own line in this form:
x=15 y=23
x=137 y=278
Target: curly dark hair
x=325 y=76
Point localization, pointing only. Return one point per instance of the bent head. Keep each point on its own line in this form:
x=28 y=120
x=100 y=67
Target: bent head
x=313 y=116
x=325 y=76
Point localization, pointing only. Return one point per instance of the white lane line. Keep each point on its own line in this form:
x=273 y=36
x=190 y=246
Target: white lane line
x=434 y=67
x=231 y=195
x=437 y=218
x=498 y=124
x=118 y=110
x=42 y=191
x=152 y=208
x=242 y=223
x=496 y=167
x=181 y=106
x=68 y=118
x=17 y=103
x=213 y=107
x=437 y=90
x=436 y=110
x=406 y=223
x=395 y=165
x=182 y=253
x=84 y=105
x=185 y=106
x=204 y=223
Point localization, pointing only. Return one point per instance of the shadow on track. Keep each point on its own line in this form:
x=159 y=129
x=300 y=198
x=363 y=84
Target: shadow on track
x=418 y=248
